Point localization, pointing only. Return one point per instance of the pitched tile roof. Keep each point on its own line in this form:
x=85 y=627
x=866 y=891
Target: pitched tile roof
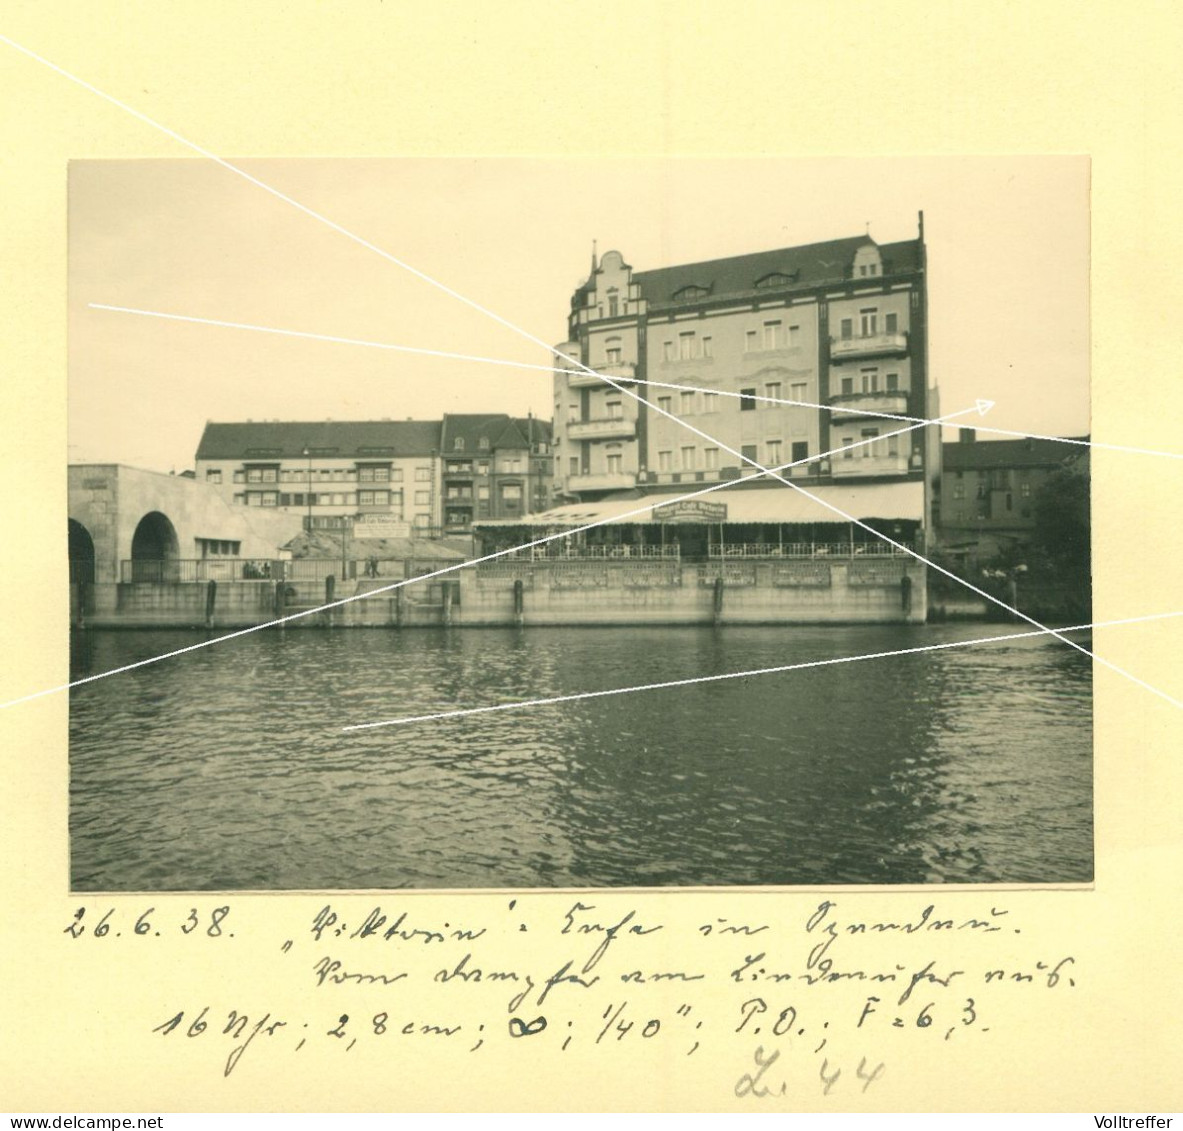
x=283 y=439
x=982 y=455
x=499 y=430
x=808 y=266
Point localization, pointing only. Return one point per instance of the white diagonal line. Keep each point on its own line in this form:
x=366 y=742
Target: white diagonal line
x=308 y=335
x=423 y=351
x=656 y=502
x=362 y=242
x=898 y=545
x=665 y=684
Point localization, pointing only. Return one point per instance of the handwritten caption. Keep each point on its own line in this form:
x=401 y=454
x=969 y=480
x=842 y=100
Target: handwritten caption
x=821 y=1001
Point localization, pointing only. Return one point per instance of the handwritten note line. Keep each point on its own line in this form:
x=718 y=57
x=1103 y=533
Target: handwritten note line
x=744 y=674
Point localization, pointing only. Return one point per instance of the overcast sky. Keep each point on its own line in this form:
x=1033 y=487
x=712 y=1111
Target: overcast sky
x=1007 y=250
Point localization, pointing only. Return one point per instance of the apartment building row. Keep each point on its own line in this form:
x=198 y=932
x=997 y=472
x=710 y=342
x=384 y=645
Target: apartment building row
x=424 y=477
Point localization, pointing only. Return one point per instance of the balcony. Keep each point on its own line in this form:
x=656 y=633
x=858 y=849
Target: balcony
x=621 y=371
x=605 y=481
x=869 y=345
x=615 y=428
x=847 y=406
x=859 y=465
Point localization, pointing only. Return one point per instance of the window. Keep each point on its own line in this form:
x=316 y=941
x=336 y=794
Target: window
x=365 y=498
x=458 y=444
x=748 y=451
x=254 y=475
x=890 y=322
x=669 y=351
x=423 y=474
x=893 y=382
x=847 y=330
x=750 y=344
x=663 y=404
x=665 y=461
x=482 y=467
x=800 y=451
x=270 y=475
x=794 y=335
x=710 y=458
x=798 y=391
x=613 y=304
x=868 y=321
x=772 y=336
x=868 y=450
x=615 y=412
x=482 y=492
x=482 y=443
x=285 y=500
x=869 y=379
x=847 y=450
x=847 y=386
x=574 y=466
x=772 y=390
x=612 y=351
x=686 y=345
x=422 y=498
x=707 y=347
x=614 y=464
x=710 y=402
x=422 y=520
x=511 y=492
x=396 y=475
x=270 y=498
x=747 y=400
x=688 y=459
x=1025 y=490
x=213 y=476
x=774 y=447
x=686 y=403
x=959 y=490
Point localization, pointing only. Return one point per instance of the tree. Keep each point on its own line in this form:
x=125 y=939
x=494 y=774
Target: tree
x=1062 y=523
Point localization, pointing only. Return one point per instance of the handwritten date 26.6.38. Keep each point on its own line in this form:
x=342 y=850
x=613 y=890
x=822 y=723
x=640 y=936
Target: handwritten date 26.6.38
x=205 y=922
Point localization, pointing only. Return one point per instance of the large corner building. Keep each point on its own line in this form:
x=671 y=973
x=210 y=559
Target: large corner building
x=840 y=326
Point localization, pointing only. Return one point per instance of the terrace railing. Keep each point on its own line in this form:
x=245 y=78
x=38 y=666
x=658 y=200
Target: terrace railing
x=742 y=550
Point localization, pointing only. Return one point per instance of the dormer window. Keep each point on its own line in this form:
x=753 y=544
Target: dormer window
x=777 y=279
x=458 y=443
x=690 y=293
x=483 y=443
x=867 y=262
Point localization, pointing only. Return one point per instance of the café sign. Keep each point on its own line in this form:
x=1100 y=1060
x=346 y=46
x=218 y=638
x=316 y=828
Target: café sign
x=691 y=510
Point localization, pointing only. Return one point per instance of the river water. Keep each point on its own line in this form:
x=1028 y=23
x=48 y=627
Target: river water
x=227 y=769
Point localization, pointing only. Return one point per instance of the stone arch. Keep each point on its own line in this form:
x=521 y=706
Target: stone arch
x=81 y=547
x=153 y=543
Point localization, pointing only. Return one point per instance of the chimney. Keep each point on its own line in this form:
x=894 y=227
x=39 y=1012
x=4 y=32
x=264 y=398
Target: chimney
x=966 y=435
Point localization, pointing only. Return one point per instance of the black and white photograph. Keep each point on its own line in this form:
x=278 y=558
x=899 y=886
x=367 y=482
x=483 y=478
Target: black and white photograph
x=490 y=523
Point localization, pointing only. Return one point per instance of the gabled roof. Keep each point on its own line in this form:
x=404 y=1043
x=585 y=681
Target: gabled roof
x=808 y=266
x=499 y=430
x=283 y=439
x=984 y=455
